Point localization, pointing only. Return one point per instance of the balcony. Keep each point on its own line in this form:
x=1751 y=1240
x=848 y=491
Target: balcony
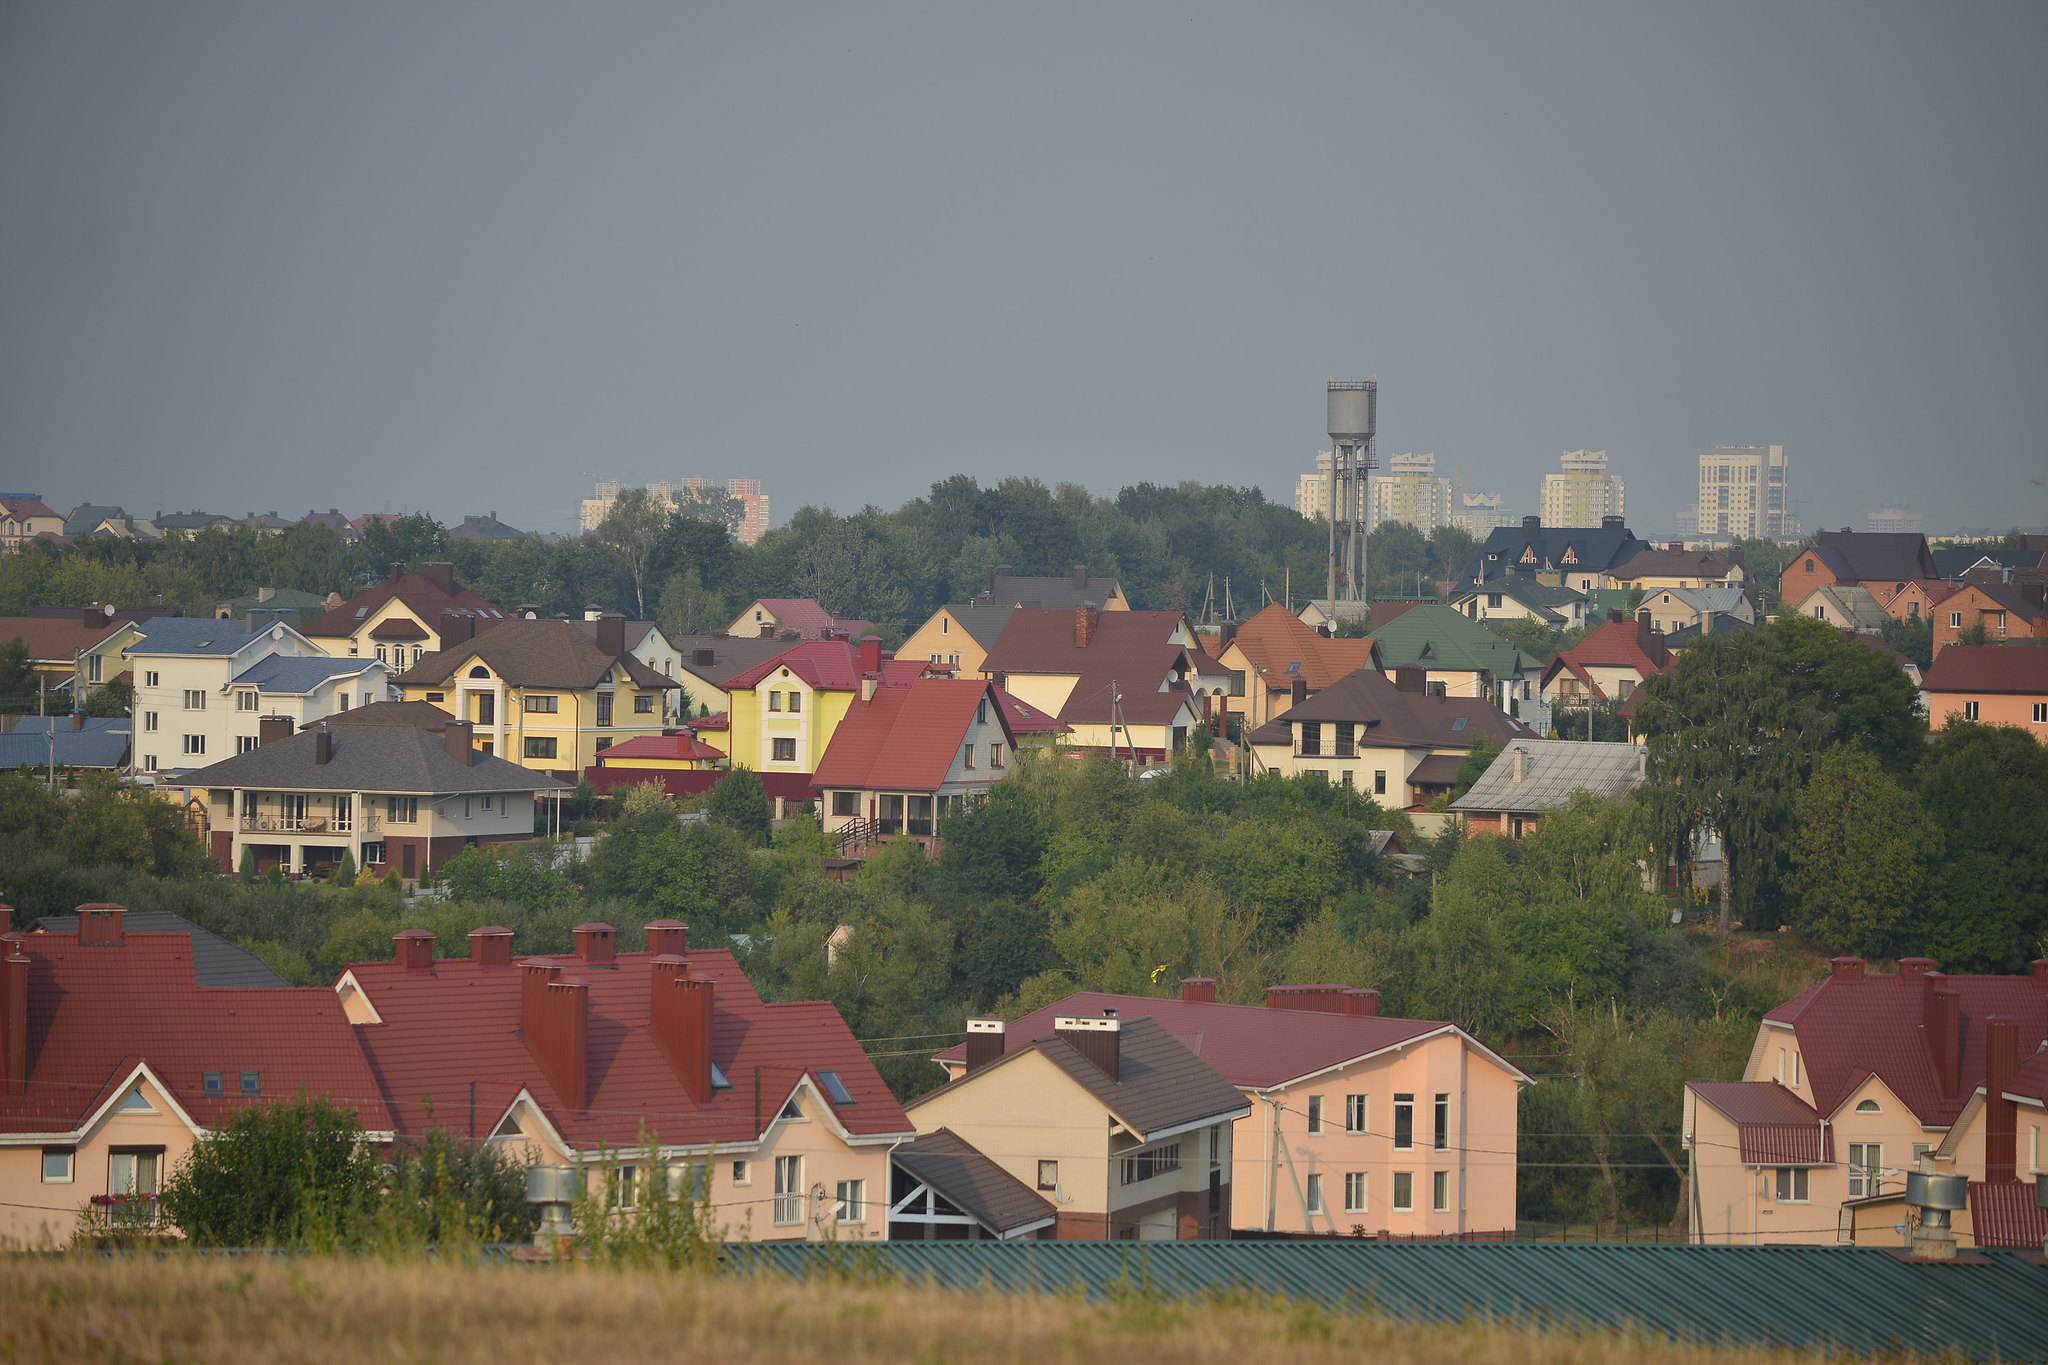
x=124 y=1213
x=267 y=823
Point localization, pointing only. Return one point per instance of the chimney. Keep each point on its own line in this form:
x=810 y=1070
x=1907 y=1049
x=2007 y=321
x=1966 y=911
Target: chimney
x=77 y=718
x=592 y=611
x=1911 y=968
x=1310 y=999
x=1085 y=618
x=679 y=1017
x=271 y=729
x=596 y=945
x=92 y=618
x=323 y=746
x=1096 y=1039
x=984 y=1043
x=2001 y=1115
x=989 y=581
x=1610 y=523
x=2037 y=970
x=701 y=658
x=1201 y=989
x=871 y=654
x=1411 y=678
x=1080 y=578
x=490 y=946
x=397 y=569
x=1677 y=546
x=1362 y=1004
x=611 y=634
x=668 y=938
x=1297 y=690
x=1851 y=968
x=441 y=576
x=1520 y=770
x=415 y=949
x=100 y=923
x=1225 y=633
x=1531 y=523
x=457 y=628
x=14 y=1018
x=867 y=688
x=554 y=1022
x=1941 y=1012
x=459 y=736
x=1614 y=613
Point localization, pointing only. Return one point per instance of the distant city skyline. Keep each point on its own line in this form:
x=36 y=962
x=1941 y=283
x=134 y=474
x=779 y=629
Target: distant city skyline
x=565 y=244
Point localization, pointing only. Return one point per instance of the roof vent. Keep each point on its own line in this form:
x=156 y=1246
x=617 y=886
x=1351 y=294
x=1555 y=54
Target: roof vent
x=1936 y=1196
x=1850 y=968
x=1199 y=989
x=668 y=938
x=100 y=923
x=491 y=946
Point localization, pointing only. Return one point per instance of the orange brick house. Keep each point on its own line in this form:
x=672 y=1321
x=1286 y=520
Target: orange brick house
x=1916 y=599
x=1995 y=684
x=1882 y=562
x=2005 y=612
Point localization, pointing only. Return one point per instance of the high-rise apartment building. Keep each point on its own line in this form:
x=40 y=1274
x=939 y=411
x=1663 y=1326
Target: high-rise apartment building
x=1583 y=492
x=1745 y=494
x=1892 y=518
x=752 y=521
x=1312 y=493
x=1409 y=490
x=1476 y=514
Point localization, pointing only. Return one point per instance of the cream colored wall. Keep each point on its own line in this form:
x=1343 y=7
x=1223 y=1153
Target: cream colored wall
x=1024 y=1112
x=1046 y=691
x=35 y=1214
x=944 y=637
x=1397 y=764
x=572 y=725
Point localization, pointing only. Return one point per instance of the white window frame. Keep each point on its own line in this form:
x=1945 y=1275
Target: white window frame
x=1793 y=1185
x=850 y=1204
x=1313 y=1200
x=1409 y=1205
x=1866 y=1169
x=70 y=1169
x=1315 y=1115
x=1357 y=1194
x=789 y=1191
x=1440 y=1191
x=1358 y=1113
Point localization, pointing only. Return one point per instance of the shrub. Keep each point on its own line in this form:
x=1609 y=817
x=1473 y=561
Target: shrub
x=279 y=1174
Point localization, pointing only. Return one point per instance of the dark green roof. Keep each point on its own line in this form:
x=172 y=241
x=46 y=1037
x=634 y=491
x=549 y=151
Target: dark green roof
x=1435 y=636
x=1994 y=1305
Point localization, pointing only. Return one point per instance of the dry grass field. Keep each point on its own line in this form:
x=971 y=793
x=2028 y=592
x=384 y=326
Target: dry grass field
x=314 y=1311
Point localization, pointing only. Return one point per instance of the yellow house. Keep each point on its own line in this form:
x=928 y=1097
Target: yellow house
x=1677 y=567
x=546 y=694
x=782 y=713
x=405 y=618
x=959 y=635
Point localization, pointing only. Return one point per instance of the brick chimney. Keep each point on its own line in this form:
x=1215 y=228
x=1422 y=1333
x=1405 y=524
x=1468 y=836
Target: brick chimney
x=460 y=738
x=1913 y=967
x=441 y=576
x=668 y=938
x=679 y=1017
x=323 y=746
x=100 y=923
x=597 y=944
x=2001 y=1115
x=415 y=949
x=554 y=1023
x=1297 y=690
x=490 y=946
x=271 y=729
x=1362 y=1003
x=1941 y=1016
x=1411 y=678
x=1097 y=1039
x=1080 y=578
x=397 y=569
x=984 y=1043
x=988 y=584
x=92 y=618
x=457 y=628
x=1225 y=633
x=2038 y=971
x=611 y=634
x=870 y=653
x=1086 y=617
x=1851 y=968
x=77 y=718
x=1313 y=999
x=1201 y=989
x=14 y=1018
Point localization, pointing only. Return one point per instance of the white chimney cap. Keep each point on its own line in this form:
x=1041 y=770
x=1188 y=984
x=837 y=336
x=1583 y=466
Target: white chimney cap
x=1076 y=1023
x=985 y=1026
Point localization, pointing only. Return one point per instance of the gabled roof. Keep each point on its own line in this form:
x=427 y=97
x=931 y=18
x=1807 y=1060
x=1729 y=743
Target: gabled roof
x=1552 y=770
x=1531 y=549
x=54 y=639
x=1281 y=647
x=1869 y=556
x=197 y=635
x=1017 y=590
x=1447 y=641
x=807 y=615
x=484 y=528
x=677 y=747
x=1025 y=719
x=97 y=1011
x=216 y=963
x=370 y=758
x=731 y=655
x=1673 y=563
x=1848 y=604
x=1773 y=1125
x=1253 y=1047
x=532 y=653
x=298 y=676
x=102 y=745
x=460 y=1024
x=2003 y=597
x=2020 y=669
x=906 y=738
x=828 y=665
x=87 y=515
x=1615 y=644
x=979 y=1187
x=1702 y=599
x=983 y=619
x=22 y=506
x=1042 y=640
x=1393 y=718
x=1957 y=562
x=1542 y=599
x=1851 y=1028
x=427 y=594
x=423 y=715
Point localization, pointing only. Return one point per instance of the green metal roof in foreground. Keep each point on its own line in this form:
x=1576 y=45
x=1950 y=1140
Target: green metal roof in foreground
x=1857 y=1299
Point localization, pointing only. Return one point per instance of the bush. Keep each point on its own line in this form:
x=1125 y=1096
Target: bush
x=739 y=803
x=274 y=1175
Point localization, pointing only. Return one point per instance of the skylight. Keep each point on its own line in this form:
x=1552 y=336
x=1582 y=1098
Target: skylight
x=835 y=1088
x=1458 y=724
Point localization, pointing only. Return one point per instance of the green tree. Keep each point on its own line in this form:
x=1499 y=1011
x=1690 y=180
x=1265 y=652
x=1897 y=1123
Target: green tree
x=277 y=1174
x=1477 y=760
x=631 y=527
x=993 y=848
x=17 y=677
x=1912 y=637
x=110 y=701
x=247 y=870
x=1860 y=855
x=739 y=803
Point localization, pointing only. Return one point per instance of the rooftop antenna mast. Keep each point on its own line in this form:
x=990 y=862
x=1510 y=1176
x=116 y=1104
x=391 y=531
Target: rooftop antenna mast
x=1353 y=408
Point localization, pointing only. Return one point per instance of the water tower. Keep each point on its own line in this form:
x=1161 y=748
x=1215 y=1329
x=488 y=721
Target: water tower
x=1353 y=409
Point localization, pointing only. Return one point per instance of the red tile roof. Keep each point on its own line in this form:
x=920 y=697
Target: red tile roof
x=833 y=665
x=1251 y=1045
x=2004 y=1214
x=1616 y=644
x=1276 y=638
x=906 y=738
x=2019 y=669
x=53 y=639
x=808 y=615
x=1773 y=1125
x=1026 y=719
x=421 y=593
x=95 y=1011
x=1850 y=1028
x=459 y=1024
x=679 y=747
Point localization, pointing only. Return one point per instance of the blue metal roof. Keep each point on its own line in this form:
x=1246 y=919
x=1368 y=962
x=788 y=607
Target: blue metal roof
x=190 y=635
x=75 y=748
x=1860 y=1299
x=279 y=673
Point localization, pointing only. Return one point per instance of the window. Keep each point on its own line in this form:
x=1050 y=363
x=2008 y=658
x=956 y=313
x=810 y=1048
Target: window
x=402 y=810
x=981 y=712
x=852 y=1203
x=2041 y=713
x=643 y=705
x=540 y=746
x=1315 y=1115
x=437 y=696
x=620 y=1186
x=967 y=757
x=1867 y=1107
x=1404 y=1123
x=1443 y=1123
x=603 y=742
x=1311 y=738
x=835 y=1089
x=195 y=744
x=774 y=701
x=1049 y=1174
x=785 y=750
x=133 y=1173
x=211 y=1083
x=796 y=703
x=846 y=803
x=1379 y=782
x=1315 y=1194
x=1793 y=1185
x=149 y=679
x=742 y=1174
x=252 y=1083
x=542 y=705
x=195 y=699
x=791 y=1111
x=1346 y=745
x=1153 y=1161
x=604 y=708
x=1866 y=1169
x=149 y=763
x=1354 y=1192
x=245 y=701
x=245 y=744
x=57 y=1165
x=1441 y=1192
x=487 y=803
x=92 y=669
x=1404 y=1191
x=1969 y=710
x=995 y=755
x=1356 y=1113
x=1955 y=619
x=137 y=1103
x=789 y=1190
x=149 y=720
x=1237 y=682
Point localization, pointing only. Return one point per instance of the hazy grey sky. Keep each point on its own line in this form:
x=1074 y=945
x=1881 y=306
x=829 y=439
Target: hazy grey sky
x=471 y=256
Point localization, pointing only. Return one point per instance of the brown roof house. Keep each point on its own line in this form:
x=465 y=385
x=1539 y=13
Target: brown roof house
x=1995 y=684
x=400 y=620
x=1275 y=659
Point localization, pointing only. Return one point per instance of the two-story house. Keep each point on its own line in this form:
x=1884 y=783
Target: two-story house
x=771 y=616
x=604 y=1058
x=188 y=709
x=69 y=650
x=1883 y=562
x=707 y=663
x=404 y=618
x=1115 y=1120
x=1401 y=1127
x=2006 y=611
x=1994 y=684
x=1675 y=609
x=784 y=710
x=1608 y=665
x=1579 y=557
x=903 y=757
x=1523 y=597
x=24 y=516
x=545 y=693
x=1461 y=658
x=1652 y=569
x=390 y=796
x=1275 y=657
x=961 y=633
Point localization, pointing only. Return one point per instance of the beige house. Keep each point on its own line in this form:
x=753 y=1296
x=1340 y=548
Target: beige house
x=1125 y=1130
x=1674 y=609
x=959 y=635
x=1275 y=660
x=404 y=618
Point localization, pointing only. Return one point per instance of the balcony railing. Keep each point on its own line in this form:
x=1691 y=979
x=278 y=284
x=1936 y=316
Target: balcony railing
x=127 y=1212
x=309 y=824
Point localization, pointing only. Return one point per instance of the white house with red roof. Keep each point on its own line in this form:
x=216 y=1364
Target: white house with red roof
x=114 y=1060
x=1608 y=665
x=1861 y=1079
x=610 y=1057
x=1399 y=1127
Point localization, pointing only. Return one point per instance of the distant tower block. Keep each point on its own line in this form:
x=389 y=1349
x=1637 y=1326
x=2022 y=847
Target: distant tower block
x=1354 y=411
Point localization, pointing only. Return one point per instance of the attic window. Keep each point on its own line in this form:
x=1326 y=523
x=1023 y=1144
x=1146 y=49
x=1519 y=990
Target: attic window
x=361 y=612
x=136 y=1104
x=479 y=672
x=1294 y=667
x=509 y=1127
x=791 y=1110
x=1867 y=1107
x=835 y=1089
x=212 y=1083
x=718 y=1080
x=1458 y=724
x=252 y=1083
